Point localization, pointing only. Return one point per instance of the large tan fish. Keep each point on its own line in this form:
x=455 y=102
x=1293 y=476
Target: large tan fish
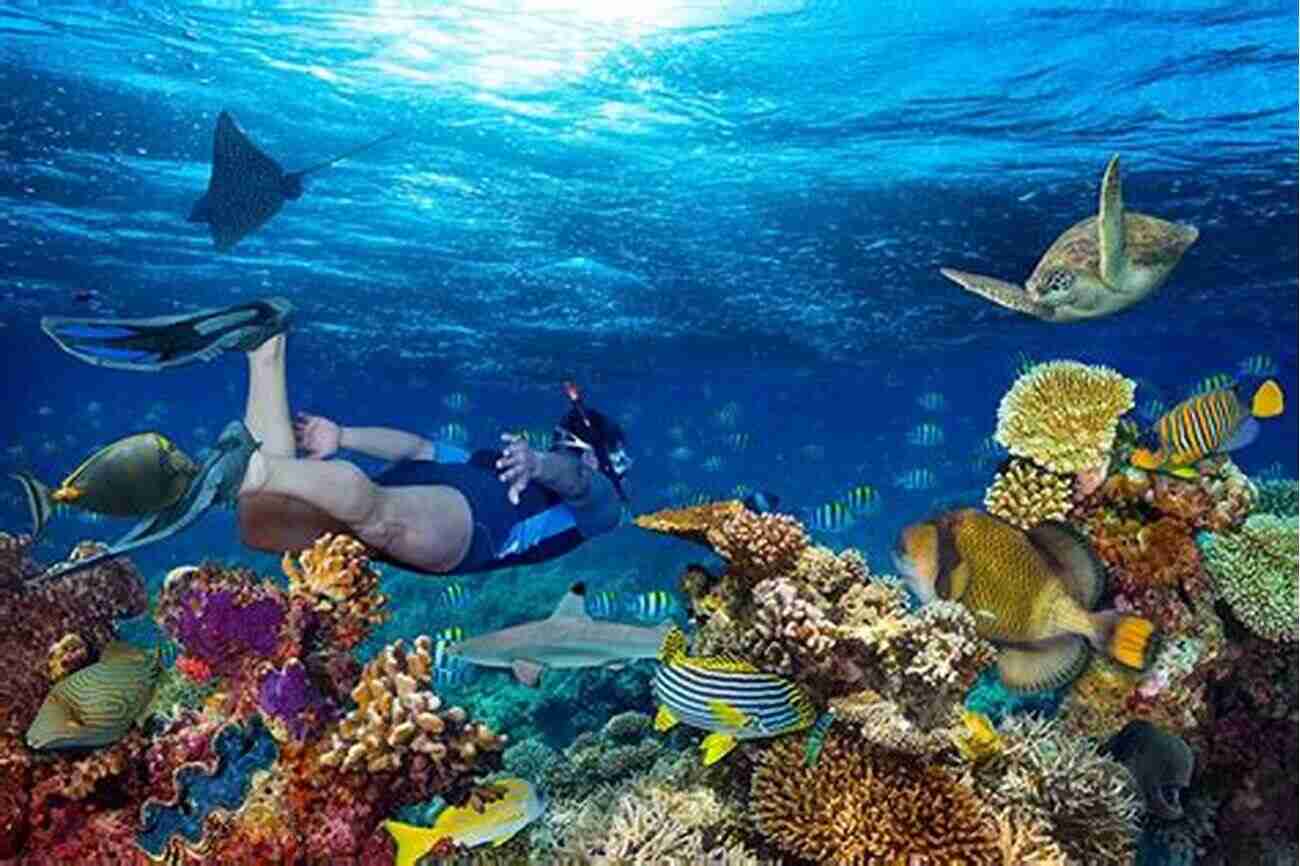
x=97 y=705
x=1031 y=594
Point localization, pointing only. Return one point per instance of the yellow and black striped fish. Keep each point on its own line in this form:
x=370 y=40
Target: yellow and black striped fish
x=730 y=697
x=1212 y=423
x=862 y=499
x=97 y=705
x=833 y=516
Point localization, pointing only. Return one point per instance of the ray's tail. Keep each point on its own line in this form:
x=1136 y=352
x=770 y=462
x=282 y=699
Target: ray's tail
x=353 y=152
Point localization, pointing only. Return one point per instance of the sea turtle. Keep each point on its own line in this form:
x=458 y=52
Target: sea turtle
x=1094 y=268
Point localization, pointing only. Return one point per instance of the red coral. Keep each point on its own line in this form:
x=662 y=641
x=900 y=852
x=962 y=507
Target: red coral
x=194 y=669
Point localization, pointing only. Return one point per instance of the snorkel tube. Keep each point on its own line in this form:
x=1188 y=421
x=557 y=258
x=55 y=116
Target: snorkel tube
x=597 y=436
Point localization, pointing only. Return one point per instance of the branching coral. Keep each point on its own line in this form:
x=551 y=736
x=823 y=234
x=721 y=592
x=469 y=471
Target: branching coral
x=1063 y=415
x=789 y=633
x=1278 y=496
x=857 y=807
x=827 y=573
x=865 y=603
x=759 y=546
x=334 y=574
x=1026 y=495
x=1089 y=802
x=1254 y=570
x=691 y=524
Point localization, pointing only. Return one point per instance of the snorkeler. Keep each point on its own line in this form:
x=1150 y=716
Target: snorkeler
x=436 y=509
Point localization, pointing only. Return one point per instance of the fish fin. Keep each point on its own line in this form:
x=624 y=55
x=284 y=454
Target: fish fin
x=527 y=672
x=1145 y=458
x=1130 y=640
x=1048 y=665
x=664 y=719
x=952 y=585
x=39 y=501
x=574 y=604
x=716 y=746
x=727 y=715
x=1188 y=473
x=1072 y=560
x=1002 y=293
x=1247 y=433
x=1110 y=226
x=1267 y=401
x=120 y=650
x=412 y=842
x=202 y=210
x=673 y=647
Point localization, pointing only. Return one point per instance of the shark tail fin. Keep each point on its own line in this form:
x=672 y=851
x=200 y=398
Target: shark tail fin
x=673 y=647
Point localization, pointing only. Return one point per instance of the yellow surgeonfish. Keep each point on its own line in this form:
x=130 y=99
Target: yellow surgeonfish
x=497 y=823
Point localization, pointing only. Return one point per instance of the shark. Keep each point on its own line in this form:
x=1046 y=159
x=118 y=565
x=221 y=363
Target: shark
x=568 y=638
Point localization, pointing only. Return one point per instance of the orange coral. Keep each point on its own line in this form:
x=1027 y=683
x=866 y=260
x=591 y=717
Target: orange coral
x=857 y=807
x=693 y=523
x=335 y=574
x=68 y=655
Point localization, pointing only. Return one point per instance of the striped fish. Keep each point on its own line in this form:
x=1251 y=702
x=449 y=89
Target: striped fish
x=926 y=435
x=1209 y=424
x=455 y=596
x=97 y=705
x=833 y=516
x=39 y=501
x=729 y=697
x=1258 y=365
x=448 y=669
x=931 y=401
x=862 y=500
x=604 y=605
x=916 y=479
x=1211 y=383
x=654 y=606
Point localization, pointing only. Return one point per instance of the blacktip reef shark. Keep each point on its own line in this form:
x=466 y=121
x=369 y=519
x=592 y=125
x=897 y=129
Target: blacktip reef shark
x=247 y=187
x=568 y=638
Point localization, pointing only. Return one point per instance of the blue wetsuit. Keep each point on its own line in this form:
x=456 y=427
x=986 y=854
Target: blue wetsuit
x=542 y=526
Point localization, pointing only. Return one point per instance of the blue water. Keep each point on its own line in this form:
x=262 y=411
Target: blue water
x=681 y=206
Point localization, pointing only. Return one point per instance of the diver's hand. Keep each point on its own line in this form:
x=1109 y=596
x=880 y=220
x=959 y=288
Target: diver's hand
x=316 y=435
x=520 y=464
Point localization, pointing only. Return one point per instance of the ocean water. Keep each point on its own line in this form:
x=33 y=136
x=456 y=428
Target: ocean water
x=719 y=218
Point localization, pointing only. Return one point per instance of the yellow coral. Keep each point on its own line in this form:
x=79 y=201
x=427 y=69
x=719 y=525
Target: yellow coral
x=335 y=574
x=397 y=716
x=1063 y=415
x=1025 y=495
x=68 y=655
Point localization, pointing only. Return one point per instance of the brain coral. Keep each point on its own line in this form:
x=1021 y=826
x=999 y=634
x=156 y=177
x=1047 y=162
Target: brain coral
x=1254 y=571
x=1063 y=415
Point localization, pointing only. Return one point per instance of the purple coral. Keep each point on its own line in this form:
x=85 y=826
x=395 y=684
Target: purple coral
x=290 y=703
x=214 y=627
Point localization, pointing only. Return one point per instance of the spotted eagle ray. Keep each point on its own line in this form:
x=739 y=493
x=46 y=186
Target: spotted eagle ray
x=247 y=187
x=568 y=638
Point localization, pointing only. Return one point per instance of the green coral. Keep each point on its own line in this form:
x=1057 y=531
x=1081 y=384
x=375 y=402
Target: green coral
x=1278 y=497
x=1254 y=570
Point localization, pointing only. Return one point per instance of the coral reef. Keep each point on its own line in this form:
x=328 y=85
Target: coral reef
x=68 y=655
x=1025 y=495
x=759 y=546
x=693 y=523
x=335 y=574
x=1278 y=496
x=789 y=632
x=1063 y=415
x=1254 y=569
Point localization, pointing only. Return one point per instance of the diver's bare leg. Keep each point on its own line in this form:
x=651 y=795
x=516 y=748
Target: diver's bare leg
x=428 y=526
x=267 y=412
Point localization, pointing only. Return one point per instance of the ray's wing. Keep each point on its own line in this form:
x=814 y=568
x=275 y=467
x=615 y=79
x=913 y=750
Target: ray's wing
x=245 y=189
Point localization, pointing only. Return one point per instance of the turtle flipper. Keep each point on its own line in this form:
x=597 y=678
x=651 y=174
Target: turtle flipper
x=1002 y=293
x=1110 y=226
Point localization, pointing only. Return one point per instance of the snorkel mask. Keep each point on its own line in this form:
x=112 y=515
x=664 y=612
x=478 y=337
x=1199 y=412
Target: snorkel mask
x=585 y=429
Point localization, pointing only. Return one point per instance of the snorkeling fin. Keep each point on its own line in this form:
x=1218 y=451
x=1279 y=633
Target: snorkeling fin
x=217 y=483
x=167 y=341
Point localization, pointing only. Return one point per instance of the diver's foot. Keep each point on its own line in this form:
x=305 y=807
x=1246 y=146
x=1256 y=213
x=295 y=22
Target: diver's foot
x=235 y=453
x=168 y=341
x=270 y=352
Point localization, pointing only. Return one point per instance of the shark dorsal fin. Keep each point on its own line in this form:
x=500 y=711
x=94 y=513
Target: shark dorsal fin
x=573 y=605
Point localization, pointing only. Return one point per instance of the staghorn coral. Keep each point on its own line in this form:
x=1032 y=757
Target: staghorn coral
x=1025 y=495
x=1063 y=415
x=68 y=655
x=758 y=546
x=1254 y=570
x=1088 y=801
x=789 y=633
x=334 y=574
x=33 y=617
x=1024 y=839
x=693 y=523
x=858 y=807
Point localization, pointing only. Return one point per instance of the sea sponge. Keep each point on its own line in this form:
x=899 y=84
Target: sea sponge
x=1254 y=570
x=1063 y=415
x=858 y=807
x=1027 y=495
